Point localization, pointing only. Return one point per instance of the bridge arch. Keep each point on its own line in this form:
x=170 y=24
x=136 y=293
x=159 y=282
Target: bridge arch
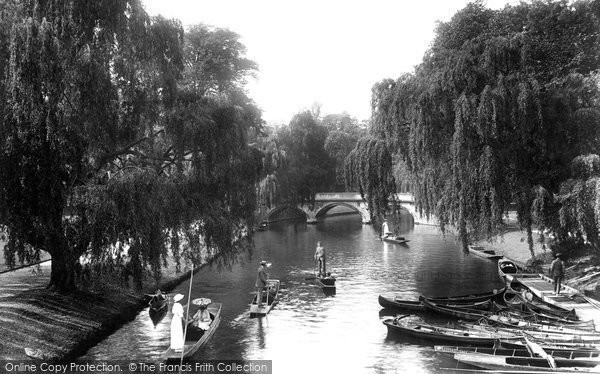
x=325 y=201
x=273 y=211
x=322 y=211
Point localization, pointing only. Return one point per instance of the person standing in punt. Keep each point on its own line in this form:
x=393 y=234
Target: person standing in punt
x=177 y=324
x=385 y=229
x=557 y=271
x=320 y=258
x=261 y=282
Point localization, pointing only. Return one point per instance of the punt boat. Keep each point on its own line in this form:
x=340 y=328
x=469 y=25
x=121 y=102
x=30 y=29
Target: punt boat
x=196 y=338
x=270 y=299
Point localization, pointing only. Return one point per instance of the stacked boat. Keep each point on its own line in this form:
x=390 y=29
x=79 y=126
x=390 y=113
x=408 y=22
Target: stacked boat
x=509 y=329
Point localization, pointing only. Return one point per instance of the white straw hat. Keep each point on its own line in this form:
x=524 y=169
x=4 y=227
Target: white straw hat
x=177 y=297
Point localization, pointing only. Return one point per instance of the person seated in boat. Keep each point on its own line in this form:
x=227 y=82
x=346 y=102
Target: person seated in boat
x=159 y=296
x=272 y=291
x=201 y=318
x=320 y=258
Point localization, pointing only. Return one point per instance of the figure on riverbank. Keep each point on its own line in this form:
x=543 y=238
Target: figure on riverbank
x=557 y=271
x=176 y=324
x=320 y=258
x=261 y=281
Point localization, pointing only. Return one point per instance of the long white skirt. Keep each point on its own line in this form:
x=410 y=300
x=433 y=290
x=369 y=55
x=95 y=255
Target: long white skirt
x=176 y=331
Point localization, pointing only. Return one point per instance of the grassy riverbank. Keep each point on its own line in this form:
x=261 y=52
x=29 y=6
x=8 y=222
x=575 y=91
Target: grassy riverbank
x=63 y=327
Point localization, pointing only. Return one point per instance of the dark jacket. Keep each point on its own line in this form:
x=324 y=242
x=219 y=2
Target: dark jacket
x=261 y=277
x=557 y=268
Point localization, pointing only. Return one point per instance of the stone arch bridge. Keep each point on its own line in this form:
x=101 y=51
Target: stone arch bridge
x=325 y=201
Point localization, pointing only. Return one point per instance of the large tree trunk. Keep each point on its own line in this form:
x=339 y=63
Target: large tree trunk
x=62 y=276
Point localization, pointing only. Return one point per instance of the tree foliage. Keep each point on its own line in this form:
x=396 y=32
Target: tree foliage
x=308 y=167
x=369 y=168
x=500 y=105
x=343 y=134
x=123 y=137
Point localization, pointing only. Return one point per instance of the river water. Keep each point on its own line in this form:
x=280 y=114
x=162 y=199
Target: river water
x=309 y=332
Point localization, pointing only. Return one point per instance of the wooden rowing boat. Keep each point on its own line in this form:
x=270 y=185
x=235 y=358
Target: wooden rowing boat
x=548 y=336
x=495 y=294
x=396 y=303
x=570 y=354
x=196 y=338
x=157 y=315
x=158 y=302
x=530 y=302
x=537 y=303
x=270 y=299
x=506 y=266
x=547 y=346
x=483 y=252
x=529 y=325
x=462 y=312
x=419 y=306
x=395 y=239
x=496 y=362
x=416 y=327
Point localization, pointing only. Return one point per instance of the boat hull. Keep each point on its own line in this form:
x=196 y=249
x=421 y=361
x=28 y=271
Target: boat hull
x=485 y=253
x=395 y=241
x=439 y=333
x=394 y=303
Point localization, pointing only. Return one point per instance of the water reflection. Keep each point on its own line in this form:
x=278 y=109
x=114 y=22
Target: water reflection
x=309 y=331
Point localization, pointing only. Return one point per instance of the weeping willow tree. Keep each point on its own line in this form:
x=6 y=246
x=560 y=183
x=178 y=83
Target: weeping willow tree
x=123 y=138
x=573 y=213
x=368 y=167
x=496 y=111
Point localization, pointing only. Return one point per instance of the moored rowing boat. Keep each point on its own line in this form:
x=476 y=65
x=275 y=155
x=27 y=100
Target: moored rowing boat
x=416 y=327
x=396 y=303
x=570 y=354
x=483 y=252
x=495 y=362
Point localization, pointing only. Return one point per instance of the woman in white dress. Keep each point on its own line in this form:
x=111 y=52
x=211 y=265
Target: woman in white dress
x=176 y=324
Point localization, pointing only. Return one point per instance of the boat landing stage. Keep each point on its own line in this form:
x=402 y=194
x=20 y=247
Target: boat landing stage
x=569 y=298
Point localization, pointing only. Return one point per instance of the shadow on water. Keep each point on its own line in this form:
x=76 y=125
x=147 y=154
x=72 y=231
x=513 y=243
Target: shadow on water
x=309 y=330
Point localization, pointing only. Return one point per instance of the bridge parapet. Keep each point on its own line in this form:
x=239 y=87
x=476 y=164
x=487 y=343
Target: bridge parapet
x=338 y=196
x=353 y=196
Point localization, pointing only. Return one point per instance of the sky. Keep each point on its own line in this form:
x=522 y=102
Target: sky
x=325 y=52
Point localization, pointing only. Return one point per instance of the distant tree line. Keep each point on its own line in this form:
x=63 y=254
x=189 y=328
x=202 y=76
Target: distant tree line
x=503 y=110
x=122 y=137
x=306 y=156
